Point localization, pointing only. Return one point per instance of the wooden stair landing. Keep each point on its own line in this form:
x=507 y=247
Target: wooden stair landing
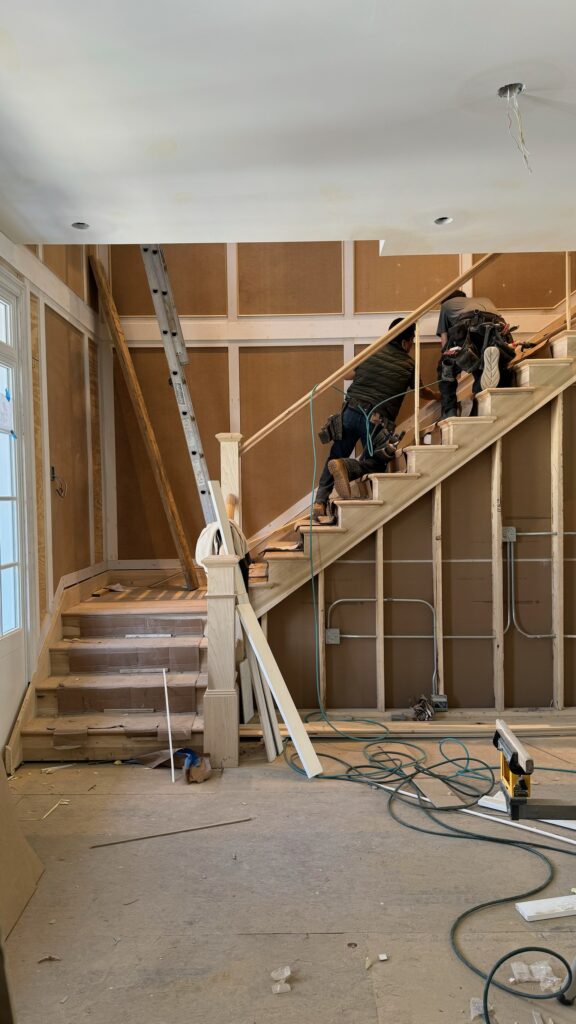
x=105 y=697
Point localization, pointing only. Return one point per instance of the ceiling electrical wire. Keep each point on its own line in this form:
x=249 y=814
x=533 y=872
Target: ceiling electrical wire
x=511 y=93
x=396 y=767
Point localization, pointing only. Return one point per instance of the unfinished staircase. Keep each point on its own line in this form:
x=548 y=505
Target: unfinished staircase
x=104 y=697
x=538 y=381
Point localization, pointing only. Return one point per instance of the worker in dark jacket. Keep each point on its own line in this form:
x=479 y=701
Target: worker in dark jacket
x=372 y=403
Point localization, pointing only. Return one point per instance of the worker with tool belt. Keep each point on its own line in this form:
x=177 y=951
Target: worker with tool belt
x=475 y=339
x=369 y=414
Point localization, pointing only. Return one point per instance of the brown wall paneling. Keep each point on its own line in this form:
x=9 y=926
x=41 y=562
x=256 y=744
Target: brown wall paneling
x=67 y=262
x=68 y=445
x=526 y=505
x=97 y=510
x=467 y=584
x=142 y=528
x=197 y=275
x=351 y=665
x=524 y=280
x=384 y=283
x=291 y=637
x=278 y=471
x=289 y=278
x=39 y=453
x=408 y=663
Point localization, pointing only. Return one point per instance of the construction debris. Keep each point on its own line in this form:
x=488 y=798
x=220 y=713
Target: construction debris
x=54 y=808
x=49 y=958
x=281 y=987
x=281 y=974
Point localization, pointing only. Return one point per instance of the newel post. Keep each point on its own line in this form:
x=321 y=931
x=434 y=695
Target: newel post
x=221 y=712
x=230 y=478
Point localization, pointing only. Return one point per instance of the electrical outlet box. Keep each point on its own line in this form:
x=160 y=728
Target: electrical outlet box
x=439 y=701
x=509 y=533
x=332 y=636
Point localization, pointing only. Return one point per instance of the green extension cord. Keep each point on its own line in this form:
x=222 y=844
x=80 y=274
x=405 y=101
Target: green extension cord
x=394 y=766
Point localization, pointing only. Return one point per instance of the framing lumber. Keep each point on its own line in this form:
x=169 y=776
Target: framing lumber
x=321 y=625
x=437 y=584
x=557 y=527
x=379 y=591
x=258 y=643
x=497 y=576
x=269 y=725
x=134 y=390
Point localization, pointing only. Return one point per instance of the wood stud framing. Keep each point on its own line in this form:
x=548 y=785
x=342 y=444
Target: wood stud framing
x=497 y=576
x=557 y=527
x=437 y=583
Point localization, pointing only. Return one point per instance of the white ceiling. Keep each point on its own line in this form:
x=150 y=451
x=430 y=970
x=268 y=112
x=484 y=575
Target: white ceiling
x=246 y=120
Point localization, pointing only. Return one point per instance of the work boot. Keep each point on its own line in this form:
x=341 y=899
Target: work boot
x=338 y=469
x=318 y=509
x=491 y=373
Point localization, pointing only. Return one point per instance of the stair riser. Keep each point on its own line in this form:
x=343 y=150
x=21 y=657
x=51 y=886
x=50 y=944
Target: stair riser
x=425 y=461
x=536 y=375
x=77 y=700
x=564 y=347
x=98 y=748
x=190 y=659
x=120 y=625
x=490 y=403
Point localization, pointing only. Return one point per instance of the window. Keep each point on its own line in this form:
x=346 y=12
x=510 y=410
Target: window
x=10 y=604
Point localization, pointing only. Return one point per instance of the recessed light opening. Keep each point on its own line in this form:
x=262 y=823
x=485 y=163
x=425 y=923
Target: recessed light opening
x=443 y=220
x=80 y=225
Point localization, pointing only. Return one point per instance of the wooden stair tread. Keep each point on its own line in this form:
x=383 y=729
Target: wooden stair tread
x=449 y=420
x=154 y=608
x=119 y=681
x=103 y=723
x=396 y=476
x=121 y=643
x=319 y=528
x=430 y=448
x=357 y=502
x=525 y=389
x=285 y=556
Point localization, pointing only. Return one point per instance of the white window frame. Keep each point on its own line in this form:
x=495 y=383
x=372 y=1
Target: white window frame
x=19 y=357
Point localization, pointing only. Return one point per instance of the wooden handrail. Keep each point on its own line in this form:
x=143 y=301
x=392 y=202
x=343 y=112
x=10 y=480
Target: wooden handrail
x=345 y=369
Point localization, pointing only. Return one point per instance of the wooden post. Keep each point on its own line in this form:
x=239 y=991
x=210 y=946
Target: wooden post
x=221 y=711
x=497 y=577
x=557 y=526
x=379 y=591
x=437 y=583
x=417 y=385
x=112 y=319
x=230 y=474
x=568 y=268
x=321 y=626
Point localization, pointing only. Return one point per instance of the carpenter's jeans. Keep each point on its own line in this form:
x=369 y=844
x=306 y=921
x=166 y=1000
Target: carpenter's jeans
x=354 y=429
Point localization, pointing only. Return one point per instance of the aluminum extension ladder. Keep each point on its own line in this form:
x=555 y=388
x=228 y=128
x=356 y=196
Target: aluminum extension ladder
x=177 y=357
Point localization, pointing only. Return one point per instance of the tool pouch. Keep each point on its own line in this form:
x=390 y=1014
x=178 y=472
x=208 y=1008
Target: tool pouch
x=449 y=371
x=332 y=429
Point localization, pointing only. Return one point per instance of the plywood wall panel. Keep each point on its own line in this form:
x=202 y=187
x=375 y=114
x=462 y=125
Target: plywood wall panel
x=526 y=502
x=142 y=528
x=39 y=453
x=67 y=414
x=278 y=471
x=351 y=665
x=466 y=526
x=523 y=280
x=468 y=673
x=289 y=278
x=197 y=275
x=97 y=508
x=409 y=535
x=570 y=460
x=291 y=636
x=400 y=283
x=67 y=262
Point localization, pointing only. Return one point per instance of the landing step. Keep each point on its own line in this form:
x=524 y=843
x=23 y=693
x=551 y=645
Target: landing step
x=76 y=694
x=102 y=737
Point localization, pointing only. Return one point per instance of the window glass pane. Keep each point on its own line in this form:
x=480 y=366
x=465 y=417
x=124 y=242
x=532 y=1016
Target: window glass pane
x=7 y=466
x=5 y=323
x=5 y=376
x=8 y=533
x=10 y=600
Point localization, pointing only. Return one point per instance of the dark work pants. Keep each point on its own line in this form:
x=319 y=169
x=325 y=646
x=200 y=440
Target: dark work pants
x=449 y=391
x=354 y=429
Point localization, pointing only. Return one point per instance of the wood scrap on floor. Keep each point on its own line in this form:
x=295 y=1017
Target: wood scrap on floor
x=176 y=832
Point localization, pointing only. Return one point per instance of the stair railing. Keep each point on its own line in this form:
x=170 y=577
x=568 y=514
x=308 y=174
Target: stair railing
x=231 y=448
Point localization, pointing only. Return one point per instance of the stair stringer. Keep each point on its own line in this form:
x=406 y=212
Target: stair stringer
x=399 y=490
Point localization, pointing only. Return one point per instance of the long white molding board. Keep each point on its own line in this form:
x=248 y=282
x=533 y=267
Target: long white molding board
x=540 y=910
